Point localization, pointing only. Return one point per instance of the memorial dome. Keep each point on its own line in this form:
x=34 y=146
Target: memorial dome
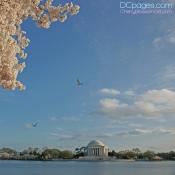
x=95 y=143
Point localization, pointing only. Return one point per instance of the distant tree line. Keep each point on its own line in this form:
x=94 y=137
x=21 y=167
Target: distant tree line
x=138 y=155
x=56 y=154
x=36 y=154
x=50 y=154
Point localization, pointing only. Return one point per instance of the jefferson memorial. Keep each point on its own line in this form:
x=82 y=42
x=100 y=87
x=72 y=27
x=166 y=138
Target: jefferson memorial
x=97 y=149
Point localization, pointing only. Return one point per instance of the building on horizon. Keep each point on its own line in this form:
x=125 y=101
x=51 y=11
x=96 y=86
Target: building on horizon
x=97 y=149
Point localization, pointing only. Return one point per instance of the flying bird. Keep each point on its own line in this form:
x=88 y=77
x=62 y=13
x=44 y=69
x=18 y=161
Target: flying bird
x=79 y=83
x=31 y=125
x=34 y=124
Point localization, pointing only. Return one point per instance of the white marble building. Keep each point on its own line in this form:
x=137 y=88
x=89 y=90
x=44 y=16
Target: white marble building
x=97 y=149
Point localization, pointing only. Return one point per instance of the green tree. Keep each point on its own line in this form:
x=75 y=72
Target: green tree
x=8 y=150
x=49 y=154
x=148 y=155
x=67 y=154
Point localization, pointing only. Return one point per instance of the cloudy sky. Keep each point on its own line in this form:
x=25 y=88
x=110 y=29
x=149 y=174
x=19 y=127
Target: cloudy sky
x=127 y=66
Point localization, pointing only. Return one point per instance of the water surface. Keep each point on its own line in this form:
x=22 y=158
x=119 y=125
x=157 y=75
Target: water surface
x=86 y=168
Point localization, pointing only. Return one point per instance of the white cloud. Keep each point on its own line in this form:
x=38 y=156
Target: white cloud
x=70 y=119
x=65 y=118
x=163 y=96
x=109 y=92
x=168 y=38
x=111 y=104
x=129 y=93
x=135 y=125
x=167 y=74
x=54 y=119
x=169 y=1
x=134 y=132
x=80 y=137
x=64 y=136
x=166 y=131
x=153 y=103
x=157 y=41
x=138 y=132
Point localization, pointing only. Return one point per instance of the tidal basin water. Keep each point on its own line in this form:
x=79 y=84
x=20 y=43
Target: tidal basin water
x=86 y=168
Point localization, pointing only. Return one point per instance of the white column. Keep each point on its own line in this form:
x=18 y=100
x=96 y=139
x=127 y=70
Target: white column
x=103 y=151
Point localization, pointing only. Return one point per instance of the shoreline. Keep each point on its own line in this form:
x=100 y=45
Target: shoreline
x=79 y=160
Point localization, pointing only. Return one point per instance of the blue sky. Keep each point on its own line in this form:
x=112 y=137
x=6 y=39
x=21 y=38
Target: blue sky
x=127 y=66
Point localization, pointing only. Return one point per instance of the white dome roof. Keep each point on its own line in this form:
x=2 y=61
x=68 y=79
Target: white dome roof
x=96 y=143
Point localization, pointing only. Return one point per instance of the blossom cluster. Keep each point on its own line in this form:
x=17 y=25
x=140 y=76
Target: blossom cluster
x=13 y=40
